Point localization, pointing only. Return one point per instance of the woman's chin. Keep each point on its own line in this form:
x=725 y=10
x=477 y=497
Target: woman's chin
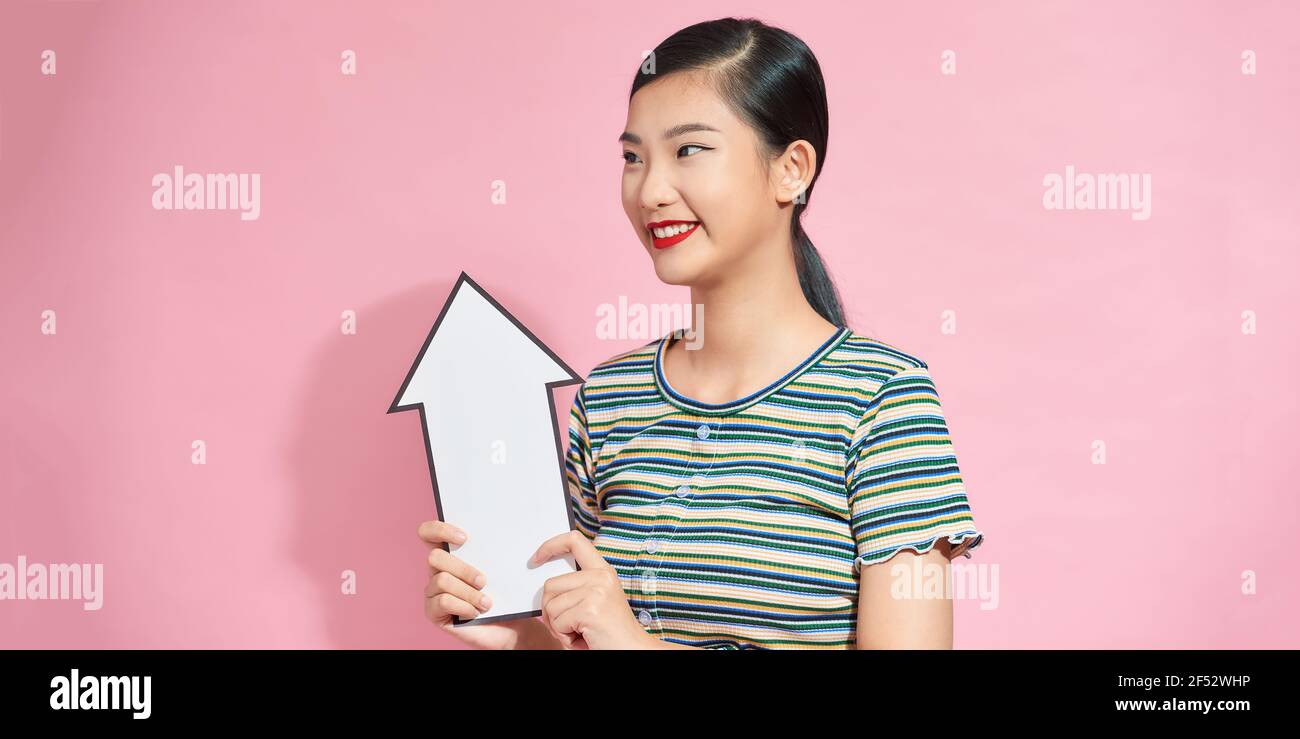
x=676 y=272
x=679 y=267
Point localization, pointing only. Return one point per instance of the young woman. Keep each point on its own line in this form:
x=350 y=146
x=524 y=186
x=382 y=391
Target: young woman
x=755 y=491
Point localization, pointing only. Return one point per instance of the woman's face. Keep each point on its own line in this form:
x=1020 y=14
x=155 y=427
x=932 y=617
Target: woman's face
x=715 y=178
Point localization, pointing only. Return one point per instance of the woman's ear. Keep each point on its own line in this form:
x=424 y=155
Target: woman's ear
x=794 y=171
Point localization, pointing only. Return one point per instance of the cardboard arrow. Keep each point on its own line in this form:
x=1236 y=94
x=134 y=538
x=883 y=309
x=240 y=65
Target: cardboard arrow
x=482 y=383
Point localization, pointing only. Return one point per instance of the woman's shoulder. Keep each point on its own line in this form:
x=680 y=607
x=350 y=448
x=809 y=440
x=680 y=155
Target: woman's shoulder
x=875 y=356
x=886 y=371
x=636 y=357
x=628 y=367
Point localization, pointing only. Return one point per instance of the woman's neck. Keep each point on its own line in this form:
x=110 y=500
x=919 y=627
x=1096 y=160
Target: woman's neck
x=754 y=330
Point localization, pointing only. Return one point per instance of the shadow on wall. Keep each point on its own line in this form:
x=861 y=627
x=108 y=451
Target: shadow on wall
x=361 y=475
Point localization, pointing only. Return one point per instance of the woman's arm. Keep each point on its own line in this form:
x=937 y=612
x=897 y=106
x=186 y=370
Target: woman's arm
x=889 y=620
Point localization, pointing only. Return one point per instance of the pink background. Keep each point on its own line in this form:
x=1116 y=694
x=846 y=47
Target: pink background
x=1072 y=325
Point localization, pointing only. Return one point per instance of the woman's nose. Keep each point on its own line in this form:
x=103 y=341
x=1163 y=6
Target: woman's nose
x=657 y=189
x=656 y=195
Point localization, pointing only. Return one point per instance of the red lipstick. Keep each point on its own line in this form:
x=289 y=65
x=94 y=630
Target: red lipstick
x=668 y=241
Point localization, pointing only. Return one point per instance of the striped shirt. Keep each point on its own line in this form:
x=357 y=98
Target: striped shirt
x=742 y=525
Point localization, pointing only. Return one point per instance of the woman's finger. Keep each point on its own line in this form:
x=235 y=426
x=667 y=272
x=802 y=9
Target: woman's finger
x=443 y=561
x=445 y=582
x=571 y=581
x=572 y=542
x=446 y=604
x=554 y=608
x=565 y=613
x=437 y=532
x=565 y=639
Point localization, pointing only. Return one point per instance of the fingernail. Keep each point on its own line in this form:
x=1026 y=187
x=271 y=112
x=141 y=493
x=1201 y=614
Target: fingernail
x=485 y=602
x=459 y=537
x=480 y=581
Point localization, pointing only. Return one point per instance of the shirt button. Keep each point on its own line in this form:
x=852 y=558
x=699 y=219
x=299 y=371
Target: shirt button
x=648 y=582
x=652 y=546
x=643 y=617
x=702 y=431
x=683 y=491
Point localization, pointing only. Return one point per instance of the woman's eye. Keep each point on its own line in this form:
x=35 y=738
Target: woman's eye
x=632 y=158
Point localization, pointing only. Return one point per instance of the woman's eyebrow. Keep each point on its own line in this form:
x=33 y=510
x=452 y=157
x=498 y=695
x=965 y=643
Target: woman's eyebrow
x=671 y=133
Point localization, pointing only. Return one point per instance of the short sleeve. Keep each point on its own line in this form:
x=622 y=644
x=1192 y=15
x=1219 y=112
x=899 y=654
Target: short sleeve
x=579 y=469
x=904 y=486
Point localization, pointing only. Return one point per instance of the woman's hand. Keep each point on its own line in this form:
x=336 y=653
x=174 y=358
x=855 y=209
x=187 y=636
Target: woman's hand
x=455 y=589
x=587 y=609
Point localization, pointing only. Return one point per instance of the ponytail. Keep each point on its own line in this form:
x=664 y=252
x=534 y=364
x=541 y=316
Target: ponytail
x=818 y=287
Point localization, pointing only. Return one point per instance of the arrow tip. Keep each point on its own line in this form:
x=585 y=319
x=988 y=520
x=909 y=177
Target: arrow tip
x=475 y=312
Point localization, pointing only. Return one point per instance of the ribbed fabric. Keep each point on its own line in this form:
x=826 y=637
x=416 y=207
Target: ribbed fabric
x=743 y=525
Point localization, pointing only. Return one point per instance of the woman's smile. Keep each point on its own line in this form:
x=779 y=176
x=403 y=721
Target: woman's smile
x=666 y=233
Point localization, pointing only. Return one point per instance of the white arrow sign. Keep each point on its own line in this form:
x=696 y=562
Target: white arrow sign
x=482 y=383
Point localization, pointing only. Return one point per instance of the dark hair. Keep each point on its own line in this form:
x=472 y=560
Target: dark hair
x=774 y=83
